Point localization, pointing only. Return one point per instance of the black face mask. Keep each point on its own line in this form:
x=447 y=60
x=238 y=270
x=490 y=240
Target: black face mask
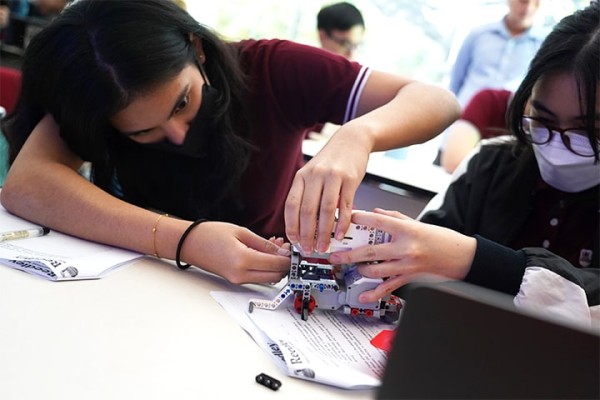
x=200 y=130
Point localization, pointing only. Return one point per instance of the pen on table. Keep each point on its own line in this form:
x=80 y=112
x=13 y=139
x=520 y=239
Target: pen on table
x=24 y=234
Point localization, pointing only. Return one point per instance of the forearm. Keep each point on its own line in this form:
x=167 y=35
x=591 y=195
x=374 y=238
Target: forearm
x=503 y=269
x=497 y=267
x=43 y=186
x=83 y=210
x=462 y=138
x=63 y=201
x=417 y=113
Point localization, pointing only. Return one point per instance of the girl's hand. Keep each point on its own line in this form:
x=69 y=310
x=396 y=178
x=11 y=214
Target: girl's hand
x=415 y=248
x=236 y=253
x=327 y=182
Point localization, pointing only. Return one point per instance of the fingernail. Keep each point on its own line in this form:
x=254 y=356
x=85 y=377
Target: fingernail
x=283 y=252
x=335 y=259
x=322 y=247
x=363 y=298
x=306 y=250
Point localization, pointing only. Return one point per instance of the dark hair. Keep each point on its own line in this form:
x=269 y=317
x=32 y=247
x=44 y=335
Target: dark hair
x=573 y=46
x=340 y=17
x=98 y=55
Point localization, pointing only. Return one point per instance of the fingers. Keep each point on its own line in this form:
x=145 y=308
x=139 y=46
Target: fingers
x=271 y=246
x=386 y=269
x=318 y=189
x=268 y=262
x=390 y=213
x=279 y=241
x=345 y=211
x=321 y=196
x=292 y=210
x=393 y=222
x=327 y=207
x=310 y=210
x=384 y=289
x=358 y=255
x=309 y=207
x=257 y=267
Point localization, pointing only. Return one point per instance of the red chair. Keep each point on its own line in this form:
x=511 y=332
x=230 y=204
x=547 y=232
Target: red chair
x=10 y=87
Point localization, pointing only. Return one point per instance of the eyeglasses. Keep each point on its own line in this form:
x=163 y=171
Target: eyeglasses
x=345 y=43
x=574 y=139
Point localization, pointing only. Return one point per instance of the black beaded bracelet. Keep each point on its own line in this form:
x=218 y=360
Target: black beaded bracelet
x=180 y=244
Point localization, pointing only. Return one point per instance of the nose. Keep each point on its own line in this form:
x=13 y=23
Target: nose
x=175 y=130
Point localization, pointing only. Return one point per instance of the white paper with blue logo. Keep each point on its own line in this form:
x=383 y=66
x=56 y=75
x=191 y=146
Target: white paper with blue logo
x=56 y=256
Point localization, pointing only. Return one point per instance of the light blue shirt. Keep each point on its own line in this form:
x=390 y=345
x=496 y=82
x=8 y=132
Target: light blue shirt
x=490 y=58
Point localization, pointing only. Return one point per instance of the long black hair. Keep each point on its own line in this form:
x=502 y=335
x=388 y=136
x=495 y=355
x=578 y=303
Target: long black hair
x=572 y=46
x=97 y=56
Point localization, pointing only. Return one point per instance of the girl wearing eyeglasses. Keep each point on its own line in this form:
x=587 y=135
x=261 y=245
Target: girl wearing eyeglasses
x=522 y=213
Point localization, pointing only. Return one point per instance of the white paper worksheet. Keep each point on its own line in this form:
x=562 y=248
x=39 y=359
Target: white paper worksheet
x=56 y=256
x=330 y=347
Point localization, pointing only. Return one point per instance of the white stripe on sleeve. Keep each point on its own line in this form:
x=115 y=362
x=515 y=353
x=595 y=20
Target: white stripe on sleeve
x=355 y=93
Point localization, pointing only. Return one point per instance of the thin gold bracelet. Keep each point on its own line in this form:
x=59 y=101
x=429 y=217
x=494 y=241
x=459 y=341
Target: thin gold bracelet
x=154 y=233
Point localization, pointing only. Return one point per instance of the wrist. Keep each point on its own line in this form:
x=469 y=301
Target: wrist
x=497 y=267
x=181 y=241
x=355 y=134
x=468 y=250
x=167 y=236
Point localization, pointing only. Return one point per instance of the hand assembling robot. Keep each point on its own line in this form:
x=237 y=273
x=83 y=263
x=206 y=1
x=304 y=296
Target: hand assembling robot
x=317 y=284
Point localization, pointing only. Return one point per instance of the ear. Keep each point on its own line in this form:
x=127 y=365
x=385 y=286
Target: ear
x=322 y=35
x=197 y=42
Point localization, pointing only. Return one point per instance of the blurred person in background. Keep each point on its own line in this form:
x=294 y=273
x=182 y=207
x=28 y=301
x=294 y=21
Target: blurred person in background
x=497 y=55
x=4 y=15
x=181 y=3
x=483 y=117
x=47 y=9
x=341 y=28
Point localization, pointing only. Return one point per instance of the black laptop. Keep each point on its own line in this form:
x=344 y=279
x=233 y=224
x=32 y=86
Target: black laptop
x=459 y=341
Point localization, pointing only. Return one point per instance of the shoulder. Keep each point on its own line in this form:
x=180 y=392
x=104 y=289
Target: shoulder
x=492 y=96
x=480 y=35
x=500 y=161
x=303 y=82
x=276 y=58
x=482 y=163
x=491 y=151
x=502 y=164
x=267 y=45
x=278 y=49
x=496 y=26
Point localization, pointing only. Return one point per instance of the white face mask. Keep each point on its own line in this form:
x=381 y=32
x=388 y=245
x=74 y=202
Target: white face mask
x=565 y=170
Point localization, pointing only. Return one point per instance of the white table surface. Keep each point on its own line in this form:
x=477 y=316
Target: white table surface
x=147 y=331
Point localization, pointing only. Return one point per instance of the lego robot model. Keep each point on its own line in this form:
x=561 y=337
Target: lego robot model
x=318 y=284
